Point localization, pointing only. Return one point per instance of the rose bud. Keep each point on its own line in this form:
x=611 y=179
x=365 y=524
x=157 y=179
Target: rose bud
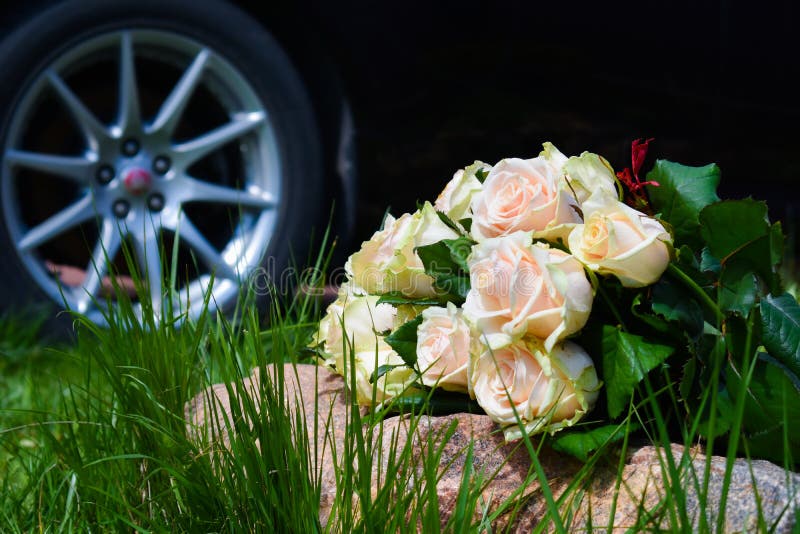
x=350 y=336
x=619 y=240
x=454 y=200
x=443 y=348
x=388 y=263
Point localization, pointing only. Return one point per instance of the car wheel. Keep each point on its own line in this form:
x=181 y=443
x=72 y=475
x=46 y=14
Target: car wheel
x=178 y=131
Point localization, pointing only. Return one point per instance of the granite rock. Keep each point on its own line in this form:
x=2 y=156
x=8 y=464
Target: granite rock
x=754 y=485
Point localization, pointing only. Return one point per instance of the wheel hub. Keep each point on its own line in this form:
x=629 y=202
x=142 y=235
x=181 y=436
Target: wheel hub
x=137 y=180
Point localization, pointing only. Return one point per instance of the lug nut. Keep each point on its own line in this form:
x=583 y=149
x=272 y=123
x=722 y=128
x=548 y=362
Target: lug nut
x=105 y=174
x=161 y=164
x=121 y=208
x=130 y=147
x=156 y=202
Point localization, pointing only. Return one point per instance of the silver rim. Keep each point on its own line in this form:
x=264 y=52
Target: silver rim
x=135 y=178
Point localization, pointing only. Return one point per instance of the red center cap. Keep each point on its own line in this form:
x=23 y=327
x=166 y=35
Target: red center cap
x=137 y=181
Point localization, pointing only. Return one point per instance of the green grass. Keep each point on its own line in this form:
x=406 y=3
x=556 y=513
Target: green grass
x=93 y=438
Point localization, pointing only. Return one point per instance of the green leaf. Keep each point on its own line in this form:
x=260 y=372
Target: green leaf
x=582 y=443
x=446 y=262
x=780 y=330
x=739 y=235
x=682 y=192
x=772 y=397
x=452 y=286
x=709 y=263
x=655 y=322
x=460 y=249
x=724 y=417
x=448 y=222
x=481 y=175
x=674 y=303
x=404 y=341
x=736 y=338
x=440 y=402
x=729 y=225
x=626 y=360
x=688 y=262
x=437 y=259
x=396 y=298
x=688 y=374
x=466 y=222
x=713 y=345
x=702 y=272
x=737 y=296
x=380 y=371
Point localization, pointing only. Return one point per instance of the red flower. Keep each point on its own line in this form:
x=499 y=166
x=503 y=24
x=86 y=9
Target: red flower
x=631 y=178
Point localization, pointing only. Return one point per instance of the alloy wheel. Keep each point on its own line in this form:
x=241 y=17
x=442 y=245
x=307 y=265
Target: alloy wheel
x=145 y=138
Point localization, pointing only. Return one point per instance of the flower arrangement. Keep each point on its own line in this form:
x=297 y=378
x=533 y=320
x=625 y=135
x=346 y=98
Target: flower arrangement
x=538 y=286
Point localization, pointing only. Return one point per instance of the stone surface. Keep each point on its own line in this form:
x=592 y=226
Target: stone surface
x=642 y=482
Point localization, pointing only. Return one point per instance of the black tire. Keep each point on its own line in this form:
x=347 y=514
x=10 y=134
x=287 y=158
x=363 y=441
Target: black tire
x=232 y=34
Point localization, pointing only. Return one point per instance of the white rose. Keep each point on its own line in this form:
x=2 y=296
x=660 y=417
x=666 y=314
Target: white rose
x=349 y=288
x=350 y=337
x=443 y=348
x=524 y=195
x=617 y=239
x=329 y=333
x=454 y=200
x=548 y=391
x=388 y=263
x=588 y=174
x=430 y=228
x=520 y=289
x=571 y=364
x=364 y=317
x=553 y=156
x=393 y=383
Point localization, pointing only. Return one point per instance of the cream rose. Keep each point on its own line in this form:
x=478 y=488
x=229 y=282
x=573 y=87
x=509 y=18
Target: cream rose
x=522 y=289
x=454 y=200
x=328 y=336
x=524 y=195
x=350 y=338
x=388 y=263
x=554 y=157
x=617 y=239
x=547 y=391
x=443 y=348
x=589 y=174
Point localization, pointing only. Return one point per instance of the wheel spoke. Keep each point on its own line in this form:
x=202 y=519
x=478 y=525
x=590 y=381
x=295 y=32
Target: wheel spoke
x=193 y=150
x=189 y=234
x=71 y=216
x=148 y=253
x=108 y=244
x=74 y=168
x=128 y=115
x=92 y=129
x=172 y=108
x=201 y=191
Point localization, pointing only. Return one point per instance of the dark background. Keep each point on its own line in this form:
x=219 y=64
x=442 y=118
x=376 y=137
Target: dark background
x=434 y=87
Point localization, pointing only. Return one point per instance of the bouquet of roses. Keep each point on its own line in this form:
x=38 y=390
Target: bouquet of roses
x=490 y=290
